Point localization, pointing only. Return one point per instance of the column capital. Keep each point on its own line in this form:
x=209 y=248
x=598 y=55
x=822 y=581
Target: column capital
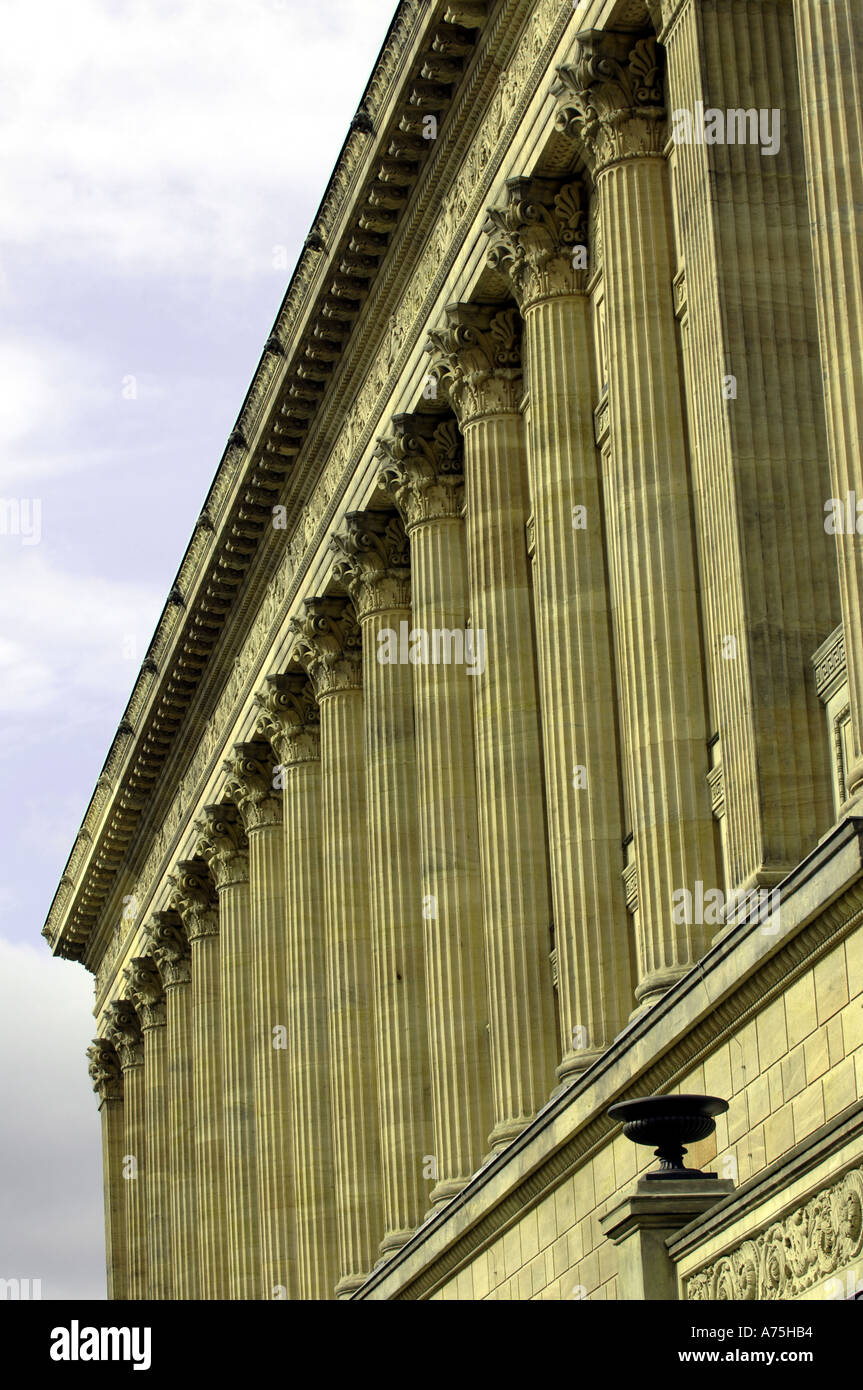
x=194 y=899
x=250 y=786
x=104 y=1069
x=290 y=718
x=169 y=946
x=611 y=98
x=539 y=238
x=372 y=562
x=123 y=1027
x=223 y=844
x=329 y=645
x=422 y=468
x=476 y=354
x=146 y=992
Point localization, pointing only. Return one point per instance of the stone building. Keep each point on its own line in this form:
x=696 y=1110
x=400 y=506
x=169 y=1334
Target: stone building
x=499 y=752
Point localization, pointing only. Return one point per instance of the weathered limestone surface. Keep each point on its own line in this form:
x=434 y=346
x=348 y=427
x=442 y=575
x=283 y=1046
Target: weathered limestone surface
x=124 y=1031
x=148 y=996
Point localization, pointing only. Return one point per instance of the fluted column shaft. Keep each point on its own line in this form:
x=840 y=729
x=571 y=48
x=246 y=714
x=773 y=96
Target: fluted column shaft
x=830 y=61
x=372 y=564
x=649 y=509
x=123 y=1027
x=291 y=721
x=756 y=427
x=134 y=1178
x=107 y=1078
x=147 y=992
x=511 y=812
x=183 y=1178
x=422 y=470
x=329 y=646
x=195 y=901
x=540 y=241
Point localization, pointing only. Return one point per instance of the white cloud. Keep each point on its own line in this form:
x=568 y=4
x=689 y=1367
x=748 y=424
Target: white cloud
x=175 y=134
x=71 y=643
x=50 y=1169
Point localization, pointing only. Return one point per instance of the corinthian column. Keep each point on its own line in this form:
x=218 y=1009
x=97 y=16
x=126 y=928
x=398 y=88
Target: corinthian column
x=124 y=1030
x=148 y=996
x=830 y=64
x=423 y=473
x=329 y=647
x=107 y=1078
x=759 y=450
x=616 y=112
x=258 y=1028
x=225 y=848
x=194 y=900
x=540 y=243
x=479 y=357
x=294 y=1082
x=373 y=565
x=169 y=947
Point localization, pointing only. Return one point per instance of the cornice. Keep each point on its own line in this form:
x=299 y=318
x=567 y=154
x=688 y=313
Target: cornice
x=475 y=142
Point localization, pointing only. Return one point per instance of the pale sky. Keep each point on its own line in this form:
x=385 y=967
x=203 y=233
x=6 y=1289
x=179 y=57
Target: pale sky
x=160 y=165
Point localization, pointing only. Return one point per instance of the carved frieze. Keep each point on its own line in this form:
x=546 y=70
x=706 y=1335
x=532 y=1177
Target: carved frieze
x=790 y=1256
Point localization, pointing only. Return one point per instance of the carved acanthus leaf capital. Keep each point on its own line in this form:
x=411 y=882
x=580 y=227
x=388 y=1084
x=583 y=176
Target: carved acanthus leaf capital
x=422 y=468
x=169 y=947
x=329 y=645
x=476 y=356
x=372 y=562
x=123 y=1027
x=104 y=1068
x=290 y=718
x=539 y=239
x=252 y=785
x=223 y=844
x=611 y=98
x=146 y=991
x=194 y=899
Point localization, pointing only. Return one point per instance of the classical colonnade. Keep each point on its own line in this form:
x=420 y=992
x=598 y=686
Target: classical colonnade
x=430 y=895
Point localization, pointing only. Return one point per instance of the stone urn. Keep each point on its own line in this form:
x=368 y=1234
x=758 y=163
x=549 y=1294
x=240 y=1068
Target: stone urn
x=666 y=1123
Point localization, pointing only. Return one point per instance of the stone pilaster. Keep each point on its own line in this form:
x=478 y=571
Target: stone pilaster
x=422 y=469
x=123 y=1028
x=255 y=788
x=830 y=67
x=329 y=647
x=373 y=565
x=224 y=846
x=479 y=360
x=107 y=1077
x=613 y=106
x=756 y=426
x=148 y=996
x=540 y=242
x=169 y=947
x=294 y=1085
x=194 y=899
